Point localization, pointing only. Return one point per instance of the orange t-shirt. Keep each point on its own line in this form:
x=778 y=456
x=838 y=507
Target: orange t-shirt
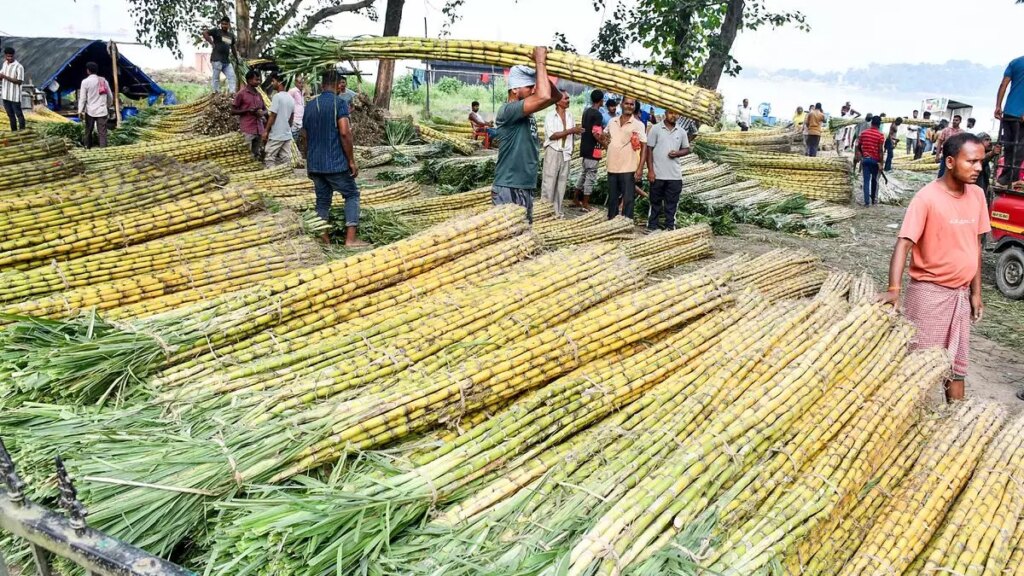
x=945 y=230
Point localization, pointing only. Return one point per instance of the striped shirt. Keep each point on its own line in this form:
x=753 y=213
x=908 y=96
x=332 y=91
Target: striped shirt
x=871 y=143
x=320 y=121
x=9 y=90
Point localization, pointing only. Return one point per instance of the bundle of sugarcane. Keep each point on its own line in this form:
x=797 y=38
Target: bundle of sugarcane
x=236 y=268
x=303 y=53
x=34 y=225
x=19 y=137
x=44 y=114
x=150 y=256
x=206 y=116
x=828 y=213
x=830 y=186
x=116 y=356
x=418 y=151
x=665 y=250
x=834 y=545
x=473 y=268
x=459 y=174
x=926 y=164
x=775 y=141
x=264 y=177
x=33 y=149
x=863 y=290
x=601 y=230
x=120 y=229
x=422 y=212
x=460 y=145
x=837 y=285
x=220 y=150
x=782 y=273
x=976 y=536
x=79 y=186
x=914 y=513
x=39 y=172
x=865 y=428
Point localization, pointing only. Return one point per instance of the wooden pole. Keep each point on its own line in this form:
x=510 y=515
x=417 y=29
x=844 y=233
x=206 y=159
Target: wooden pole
x=117 y=87
x=427 y=62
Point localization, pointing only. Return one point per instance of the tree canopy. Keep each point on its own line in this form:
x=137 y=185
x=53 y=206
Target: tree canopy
x=256 y=22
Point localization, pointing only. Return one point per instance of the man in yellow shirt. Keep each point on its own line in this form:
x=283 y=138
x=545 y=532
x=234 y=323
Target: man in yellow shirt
x=625 y=140
x=798 y=118
x=815 y=121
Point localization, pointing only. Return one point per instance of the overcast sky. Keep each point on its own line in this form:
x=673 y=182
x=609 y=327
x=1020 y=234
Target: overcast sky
x=983 y=31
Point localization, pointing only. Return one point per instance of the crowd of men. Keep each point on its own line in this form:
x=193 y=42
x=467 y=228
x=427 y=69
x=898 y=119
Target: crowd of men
x=623 y=133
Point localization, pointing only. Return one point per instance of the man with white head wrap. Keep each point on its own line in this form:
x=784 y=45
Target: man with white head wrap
x=529 y=91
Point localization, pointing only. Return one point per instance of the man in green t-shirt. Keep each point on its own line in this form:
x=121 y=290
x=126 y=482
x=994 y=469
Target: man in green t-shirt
x=529 y=91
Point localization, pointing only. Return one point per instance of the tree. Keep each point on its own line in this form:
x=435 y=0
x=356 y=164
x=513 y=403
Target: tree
x=256 y=22
x=690 y=40
x=386 y=68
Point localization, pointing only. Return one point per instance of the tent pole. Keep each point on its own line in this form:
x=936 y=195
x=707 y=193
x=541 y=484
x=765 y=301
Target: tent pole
x=117 y=89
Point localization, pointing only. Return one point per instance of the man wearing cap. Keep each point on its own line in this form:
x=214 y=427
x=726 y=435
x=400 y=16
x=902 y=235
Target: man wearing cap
x=529 y=91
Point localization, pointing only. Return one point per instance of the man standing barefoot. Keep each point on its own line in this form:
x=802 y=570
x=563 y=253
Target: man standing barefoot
x=942 y=232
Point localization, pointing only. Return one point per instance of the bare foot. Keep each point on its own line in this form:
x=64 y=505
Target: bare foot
x=356 y=243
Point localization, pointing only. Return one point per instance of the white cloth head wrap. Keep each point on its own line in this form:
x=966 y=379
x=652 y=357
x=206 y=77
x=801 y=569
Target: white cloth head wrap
x=520 y=76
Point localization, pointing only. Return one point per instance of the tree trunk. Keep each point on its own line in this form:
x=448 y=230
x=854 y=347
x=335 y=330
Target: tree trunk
x=386 y=68
x=243 y=29
x=721 y=46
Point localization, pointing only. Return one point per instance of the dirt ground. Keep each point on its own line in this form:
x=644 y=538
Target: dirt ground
x=865 y=245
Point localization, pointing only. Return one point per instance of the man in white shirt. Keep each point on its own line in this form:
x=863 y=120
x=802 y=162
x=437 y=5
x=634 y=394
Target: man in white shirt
x=12 y=74
x=743 y=115
x=298 y=96
x=560 y=129
x=277 y=138
x=911 y=135
x=94 y=99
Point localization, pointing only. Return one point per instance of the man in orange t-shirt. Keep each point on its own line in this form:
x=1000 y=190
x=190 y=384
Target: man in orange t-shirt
x=942 y=232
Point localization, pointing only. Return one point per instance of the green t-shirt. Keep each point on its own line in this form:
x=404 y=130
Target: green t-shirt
x=517 y=149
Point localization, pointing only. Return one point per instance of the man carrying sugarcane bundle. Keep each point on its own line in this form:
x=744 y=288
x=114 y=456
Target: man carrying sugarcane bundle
x=942 y=231
x=330 y=163
x=529 y=92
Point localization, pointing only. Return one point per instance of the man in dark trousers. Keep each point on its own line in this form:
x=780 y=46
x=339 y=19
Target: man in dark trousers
x=529 y=92
x=667 y=142
x=12 y=74
x=222 y=42
x=249 y=107
x=1011 y=132
x=330 y=163
x=625 y=140
x=590 y=147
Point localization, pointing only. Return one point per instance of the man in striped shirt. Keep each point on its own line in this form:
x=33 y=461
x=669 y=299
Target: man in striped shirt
x=12 y=74
x=330 y=163
x=871 y=143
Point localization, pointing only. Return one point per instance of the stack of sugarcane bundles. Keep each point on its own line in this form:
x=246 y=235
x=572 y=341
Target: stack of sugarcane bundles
x=759 y=141
x=228 y=151
x=148 y=257
x=78 y=237
x=664 y=250
x=818 y=178
x=303 y=53
x=21 y=172
x=459 y=144
x=926 y=164
x=592 y=227
x=122 y=356
x=86 y=186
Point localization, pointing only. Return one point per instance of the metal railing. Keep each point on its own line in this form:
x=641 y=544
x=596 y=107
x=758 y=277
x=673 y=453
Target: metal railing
x=49 y=533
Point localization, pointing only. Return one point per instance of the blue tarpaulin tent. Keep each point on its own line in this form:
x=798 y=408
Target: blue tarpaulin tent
x=58 y=65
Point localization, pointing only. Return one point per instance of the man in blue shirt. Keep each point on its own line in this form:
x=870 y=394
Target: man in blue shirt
x=609 y=111
x=1011 y=136
x=330 y=162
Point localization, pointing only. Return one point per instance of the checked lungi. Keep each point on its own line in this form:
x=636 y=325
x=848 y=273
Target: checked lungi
x=942 y=317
